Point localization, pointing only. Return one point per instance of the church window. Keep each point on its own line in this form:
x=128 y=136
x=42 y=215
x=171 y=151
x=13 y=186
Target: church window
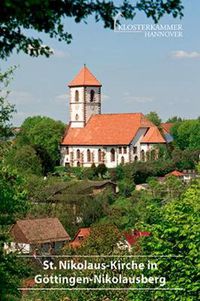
x=125 y=150
x=88 y=155
x=92 y=93
x=142 y=155
x=99 y=155
x=77 y=117
x=112 y=153
x=67 y=150
x=78 y=154
x=120 y=150
x=136 y=158
x=76 y=96
x=153 y=154
x=72 y=156
x=122 y=160
x=135 y=149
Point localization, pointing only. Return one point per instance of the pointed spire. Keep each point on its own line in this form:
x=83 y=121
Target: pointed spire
x=84 y=78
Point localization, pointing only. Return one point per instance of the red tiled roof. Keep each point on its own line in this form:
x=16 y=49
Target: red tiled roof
x=39 y=230
x=83 y=233
x=153 y=136
x=175 y=173
x=166 y=127
x=132 y=237
x=84 y=78
x=108 y=129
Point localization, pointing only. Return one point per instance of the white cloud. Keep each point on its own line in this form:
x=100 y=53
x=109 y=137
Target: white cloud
x=181 y=54
x=60 y=53
x=104 y=97
x=62 y=98
x=139 y=99
x=22 y=98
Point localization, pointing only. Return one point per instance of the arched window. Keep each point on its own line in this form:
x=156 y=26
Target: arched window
x=88 y=155
x=122 y=160
x=135 y=150
x=136 y=158
x=142 y=155
x=77 y=117
x=92 y=93
x=148 y=155
x=78 y=154
x=153 y=154
x=76 y=96
x=112 y=155
x=71 y=156
x=99 y=156
x=78 y=164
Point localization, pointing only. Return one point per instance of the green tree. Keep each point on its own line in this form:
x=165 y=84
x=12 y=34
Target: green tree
x=176 y=232
x=186 y=159
x=187 y=134
x=154 y=118
x=101 y=170
x=13 y=205
x=44 y=135
x=174 y=119
x=6 y=109
x=48 y=17
x=25 y=160
x=102 y=240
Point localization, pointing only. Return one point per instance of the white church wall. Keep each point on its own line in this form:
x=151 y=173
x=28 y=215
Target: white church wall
x=77 y=107
x=14 y=247
x=122 y=156
x=136 y=143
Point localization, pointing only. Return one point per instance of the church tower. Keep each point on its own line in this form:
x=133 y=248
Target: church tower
x=85 y=98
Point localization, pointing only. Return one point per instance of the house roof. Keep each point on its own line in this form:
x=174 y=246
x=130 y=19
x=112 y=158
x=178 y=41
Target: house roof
x=39 y=231
x=134 y=235
x=175 y=173
x=85 y=232
x=82 y=232
x=109 y=129
x=84 y=78
x=153 y=135
x=166 y=127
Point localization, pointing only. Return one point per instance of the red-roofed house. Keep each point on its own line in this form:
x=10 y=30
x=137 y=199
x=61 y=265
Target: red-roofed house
x=175 y=173
x=46 y=235
x=166 y=127
x=80 y=237
x=111 y=139
x=131 y=238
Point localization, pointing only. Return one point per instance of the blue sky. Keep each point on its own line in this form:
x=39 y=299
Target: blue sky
x=138 y=74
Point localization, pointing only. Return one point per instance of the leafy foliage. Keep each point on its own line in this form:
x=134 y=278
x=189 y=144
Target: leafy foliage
x=176 y=232
x=25 y=160
x=187 y=134
x=12 y=195
x=13 y=205
x=154 y=118
x=6 y=109
x=174 y=119
x=47 y=17
x=44 y=135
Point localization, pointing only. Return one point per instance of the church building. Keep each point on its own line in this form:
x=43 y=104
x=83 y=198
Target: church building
x=112 y=139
